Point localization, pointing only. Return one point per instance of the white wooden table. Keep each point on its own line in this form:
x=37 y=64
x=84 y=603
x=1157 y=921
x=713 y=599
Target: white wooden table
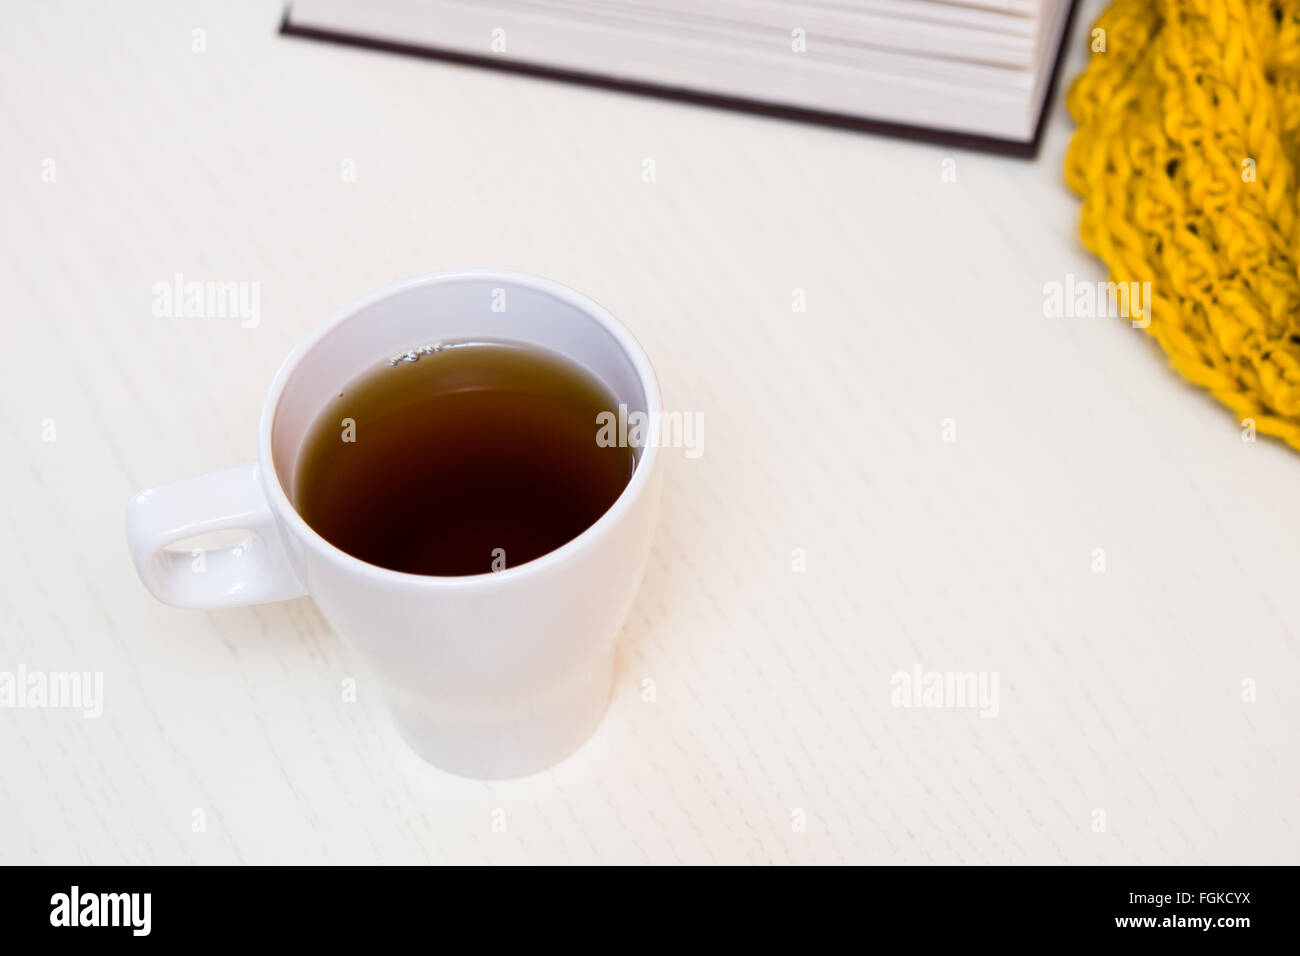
x=942 y=459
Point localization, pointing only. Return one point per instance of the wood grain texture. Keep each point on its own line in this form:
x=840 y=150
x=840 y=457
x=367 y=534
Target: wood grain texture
x=1119 y=691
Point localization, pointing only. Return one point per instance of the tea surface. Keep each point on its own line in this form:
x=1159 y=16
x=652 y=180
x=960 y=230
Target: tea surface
x=473 y=458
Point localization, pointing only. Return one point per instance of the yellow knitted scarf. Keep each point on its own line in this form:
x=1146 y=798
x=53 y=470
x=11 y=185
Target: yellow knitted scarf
x=1186 y=156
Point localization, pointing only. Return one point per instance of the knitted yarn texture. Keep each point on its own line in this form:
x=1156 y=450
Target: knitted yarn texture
x=1186 y=156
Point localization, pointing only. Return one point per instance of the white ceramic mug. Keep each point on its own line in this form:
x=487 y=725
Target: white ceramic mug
x=490 y=675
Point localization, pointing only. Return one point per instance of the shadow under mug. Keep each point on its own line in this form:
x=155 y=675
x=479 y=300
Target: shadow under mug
x=498 y=674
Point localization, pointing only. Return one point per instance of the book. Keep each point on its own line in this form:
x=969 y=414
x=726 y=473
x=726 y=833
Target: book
x=966 y=72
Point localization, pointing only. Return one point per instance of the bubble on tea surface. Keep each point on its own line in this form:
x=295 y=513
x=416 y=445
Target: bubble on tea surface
x=414 y=354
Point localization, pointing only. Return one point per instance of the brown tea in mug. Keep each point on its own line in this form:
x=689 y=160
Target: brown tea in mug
x=461 y=458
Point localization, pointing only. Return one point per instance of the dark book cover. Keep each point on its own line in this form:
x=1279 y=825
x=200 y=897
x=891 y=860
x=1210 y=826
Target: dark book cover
x=1027 y=150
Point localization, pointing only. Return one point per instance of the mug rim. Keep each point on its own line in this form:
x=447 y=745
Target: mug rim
x=279 y=500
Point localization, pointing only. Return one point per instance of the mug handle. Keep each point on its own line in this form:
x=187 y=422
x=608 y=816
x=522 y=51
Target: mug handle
x=255 y=571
